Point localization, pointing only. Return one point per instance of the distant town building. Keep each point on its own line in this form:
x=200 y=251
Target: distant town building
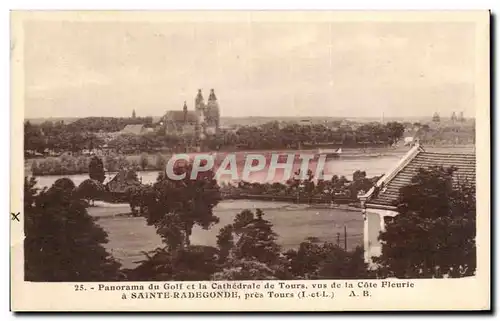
x=436 y=118
x=203 y=120
x=134 y=130
x=461 y=117
x=180 y=121
x=409 y=140
x=209 y=112
x=453 y=117
x=133 y=113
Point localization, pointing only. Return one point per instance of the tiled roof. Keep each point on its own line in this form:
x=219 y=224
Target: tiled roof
x=389 y=190
x=178 y=116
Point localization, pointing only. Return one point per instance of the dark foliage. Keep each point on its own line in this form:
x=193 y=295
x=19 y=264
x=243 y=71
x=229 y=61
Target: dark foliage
x=90 y=190
x=62 y=241
x=250 y=237
x=96 y=169
x=192 y=263
x=434 y=234
x=106 y=124
x=175 y=206
x=313 y=260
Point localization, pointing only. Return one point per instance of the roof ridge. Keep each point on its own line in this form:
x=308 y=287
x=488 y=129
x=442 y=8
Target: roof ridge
x=385 y=191
x=389 y=175
x=457 y=154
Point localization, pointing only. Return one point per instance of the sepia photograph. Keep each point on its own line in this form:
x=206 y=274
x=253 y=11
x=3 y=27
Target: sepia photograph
x=227 y=148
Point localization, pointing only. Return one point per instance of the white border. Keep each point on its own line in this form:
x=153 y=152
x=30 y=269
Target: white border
x=149 y=4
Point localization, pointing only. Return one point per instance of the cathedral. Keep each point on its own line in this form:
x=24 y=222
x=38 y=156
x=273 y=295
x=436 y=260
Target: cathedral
x=203 y=120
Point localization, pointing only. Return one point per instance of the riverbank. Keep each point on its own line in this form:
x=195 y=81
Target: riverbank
x=343 y=166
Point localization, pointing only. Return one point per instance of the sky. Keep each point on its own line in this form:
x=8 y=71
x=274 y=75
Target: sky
x=264 y=68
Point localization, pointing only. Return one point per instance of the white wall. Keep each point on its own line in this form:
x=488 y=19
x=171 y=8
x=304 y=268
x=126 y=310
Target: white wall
x=374 y=223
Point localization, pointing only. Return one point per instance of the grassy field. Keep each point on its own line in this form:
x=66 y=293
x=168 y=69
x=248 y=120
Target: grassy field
x=129 y=236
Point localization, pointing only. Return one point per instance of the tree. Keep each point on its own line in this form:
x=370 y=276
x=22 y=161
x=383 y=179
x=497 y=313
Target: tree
x=193 y=263
x=175 y=206
x=434 y=233
x=62 y=242
x=360 y=183
x=245 y=270
x=250 y=237
x=90 y=190
x=96 y=169
x=144 y=161
x=33 y=138
x=313 y=260
x=395 y=131
x=111 y=163
x=248 y=249
x=161 y=162
x=35 y=168
x=256 y=238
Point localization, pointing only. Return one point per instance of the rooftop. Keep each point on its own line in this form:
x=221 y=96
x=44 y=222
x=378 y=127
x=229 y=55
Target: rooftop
x=133 y=129
x=178 y=116
x=402 y=174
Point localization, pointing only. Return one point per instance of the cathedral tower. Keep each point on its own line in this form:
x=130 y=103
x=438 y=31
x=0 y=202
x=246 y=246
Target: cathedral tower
x=199 y=102
x=213 y=112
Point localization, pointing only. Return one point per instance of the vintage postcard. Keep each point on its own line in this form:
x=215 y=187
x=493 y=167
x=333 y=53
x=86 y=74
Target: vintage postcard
x=250 y=161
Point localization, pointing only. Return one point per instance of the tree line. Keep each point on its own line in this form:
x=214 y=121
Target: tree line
x=75 y=136
x=112 y=162
x=273 y=135
x=88 y=133
x=310 y=189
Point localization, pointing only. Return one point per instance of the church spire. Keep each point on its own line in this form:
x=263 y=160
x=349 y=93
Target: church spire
x=199 y=98
x=212 y=95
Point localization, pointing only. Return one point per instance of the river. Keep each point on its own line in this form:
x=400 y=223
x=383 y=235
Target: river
x=372 y=164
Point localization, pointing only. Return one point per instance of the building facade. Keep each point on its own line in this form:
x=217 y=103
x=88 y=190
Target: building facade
x=203 y=120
